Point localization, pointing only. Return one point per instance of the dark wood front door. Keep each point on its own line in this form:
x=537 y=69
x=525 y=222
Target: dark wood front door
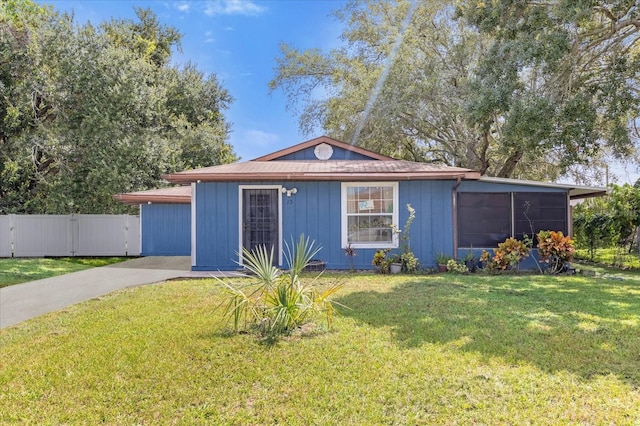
x=260 y=220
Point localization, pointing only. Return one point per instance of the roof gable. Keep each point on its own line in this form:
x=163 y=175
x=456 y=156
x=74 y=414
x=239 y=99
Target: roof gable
x=305 y=151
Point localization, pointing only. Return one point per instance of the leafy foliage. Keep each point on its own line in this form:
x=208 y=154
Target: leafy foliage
x=87 y=112
x=508 y=88
x=556 y=249
x=280 y=301
x=609 y=221
x=507 y=256
x=380 y=260
x=456 y=267
x=562 y=75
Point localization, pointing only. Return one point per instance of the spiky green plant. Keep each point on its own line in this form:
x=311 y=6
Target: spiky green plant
x=299 y=255
x=260 y=263
x=278 y=302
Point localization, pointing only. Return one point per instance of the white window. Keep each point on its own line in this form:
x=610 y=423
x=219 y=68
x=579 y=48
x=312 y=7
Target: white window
x=368 y=210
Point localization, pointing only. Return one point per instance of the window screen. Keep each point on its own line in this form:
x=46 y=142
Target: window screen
x=484 y=219
x=542 y=211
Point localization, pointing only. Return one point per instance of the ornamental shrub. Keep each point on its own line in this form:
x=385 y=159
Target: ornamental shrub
x=555 y=249
x=507 y=256
x=456 y=267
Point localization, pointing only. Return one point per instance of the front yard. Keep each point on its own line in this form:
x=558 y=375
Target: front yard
x=20 y=270
x=440 y=349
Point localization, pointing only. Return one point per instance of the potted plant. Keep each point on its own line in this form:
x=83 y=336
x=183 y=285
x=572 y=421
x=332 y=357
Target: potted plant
x=380 y=261
x=396 y=264
x=441 y=261
x=470 y=261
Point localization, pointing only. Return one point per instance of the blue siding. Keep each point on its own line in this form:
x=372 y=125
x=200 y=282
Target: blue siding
x=432 y=229
x=216 y=226
x=166 y=229
x=315 y=211
x=338 y=154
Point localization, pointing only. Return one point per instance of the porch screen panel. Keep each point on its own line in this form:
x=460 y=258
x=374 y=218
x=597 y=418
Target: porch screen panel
x=542 y=211
x=484 y=218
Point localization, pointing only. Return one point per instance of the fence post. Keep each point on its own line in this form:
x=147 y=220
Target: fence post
x=74 y=229
x=12 y=221
x=126 y=235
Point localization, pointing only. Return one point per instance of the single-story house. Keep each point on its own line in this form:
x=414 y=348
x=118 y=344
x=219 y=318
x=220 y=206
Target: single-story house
x=341 y=195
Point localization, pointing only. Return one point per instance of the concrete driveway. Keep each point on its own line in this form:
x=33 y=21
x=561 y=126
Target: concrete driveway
x=23 y=301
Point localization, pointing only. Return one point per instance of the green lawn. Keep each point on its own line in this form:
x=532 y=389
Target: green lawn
x=440 y=349
x=19 y=270
x=616 y=256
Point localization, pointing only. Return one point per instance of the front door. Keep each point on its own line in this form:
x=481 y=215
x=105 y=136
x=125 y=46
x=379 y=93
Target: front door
x=260 y=220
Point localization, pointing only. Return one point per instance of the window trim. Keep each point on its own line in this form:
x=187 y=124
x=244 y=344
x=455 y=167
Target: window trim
x=344 y=216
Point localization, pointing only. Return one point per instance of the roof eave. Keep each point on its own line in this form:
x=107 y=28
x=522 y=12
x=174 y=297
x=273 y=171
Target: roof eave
x=345 y=177
x=135 y=200
x=582 y=195
x=576 y=192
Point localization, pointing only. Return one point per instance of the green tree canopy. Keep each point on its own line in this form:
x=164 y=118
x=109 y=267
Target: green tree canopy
x=87 y=112
x=510 y=88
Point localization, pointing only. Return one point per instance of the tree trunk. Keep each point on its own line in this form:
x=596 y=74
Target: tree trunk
x=510 y=164
x=484 y=161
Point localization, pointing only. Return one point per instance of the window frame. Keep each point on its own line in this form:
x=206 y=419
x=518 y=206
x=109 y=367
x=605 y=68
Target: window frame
x=344 y=215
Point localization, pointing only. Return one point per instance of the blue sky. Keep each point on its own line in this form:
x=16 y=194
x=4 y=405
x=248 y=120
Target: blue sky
x=238 y=41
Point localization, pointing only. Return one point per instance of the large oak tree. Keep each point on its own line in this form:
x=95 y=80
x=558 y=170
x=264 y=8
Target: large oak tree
x=510 y=88
x=89 y=111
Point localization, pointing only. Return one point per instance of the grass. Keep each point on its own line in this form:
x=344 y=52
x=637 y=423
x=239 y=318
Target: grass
x=19 y=270
x=615 y=256
x=440 y=349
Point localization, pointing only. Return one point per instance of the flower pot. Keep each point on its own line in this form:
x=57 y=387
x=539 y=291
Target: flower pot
x=442 y=268
x=395 y=268
x=472 y=265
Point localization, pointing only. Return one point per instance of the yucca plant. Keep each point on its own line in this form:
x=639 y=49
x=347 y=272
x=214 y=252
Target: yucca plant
x=279 y=301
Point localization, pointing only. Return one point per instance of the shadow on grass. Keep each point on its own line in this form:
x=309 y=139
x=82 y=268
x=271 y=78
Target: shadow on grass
x=584 y=326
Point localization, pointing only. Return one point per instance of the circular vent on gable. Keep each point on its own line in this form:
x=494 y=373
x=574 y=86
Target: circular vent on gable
x=323 y=151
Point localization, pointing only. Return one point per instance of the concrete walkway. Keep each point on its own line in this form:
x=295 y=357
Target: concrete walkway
x=23 y=301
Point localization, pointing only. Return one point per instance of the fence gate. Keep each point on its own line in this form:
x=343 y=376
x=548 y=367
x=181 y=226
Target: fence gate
x=69 y=235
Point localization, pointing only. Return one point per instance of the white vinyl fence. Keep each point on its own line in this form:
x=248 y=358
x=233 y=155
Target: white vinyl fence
x=69 y=235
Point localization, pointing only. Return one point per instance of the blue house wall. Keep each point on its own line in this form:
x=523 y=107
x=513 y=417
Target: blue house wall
x=217 y=226
x=166 y=229
x=315 y=210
